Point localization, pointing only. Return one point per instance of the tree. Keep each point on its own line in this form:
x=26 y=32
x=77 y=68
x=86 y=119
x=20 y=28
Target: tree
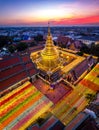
x=80 y=53
x=90 y=96
x=84 y=49
x=4 y=40
x=39 y=37
x=55 y=43
x=40 y=121
x=32 y=44
x=93 y=50
x=11 y=48
x=96 y=50
x=22 y=46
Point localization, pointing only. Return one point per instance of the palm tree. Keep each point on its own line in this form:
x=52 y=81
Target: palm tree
x=90 y=97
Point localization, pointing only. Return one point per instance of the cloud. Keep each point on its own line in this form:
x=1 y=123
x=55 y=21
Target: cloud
x=81 y=7
x=78 y=21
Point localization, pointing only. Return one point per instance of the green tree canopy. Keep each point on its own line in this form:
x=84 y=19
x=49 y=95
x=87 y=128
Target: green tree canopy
x=22 y=46
x=11 y=48
x=39 y=37
x=4 y=40
x=93 y=50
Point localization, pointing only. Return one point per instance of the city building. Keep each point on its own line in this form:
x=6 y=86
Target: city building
x=88 y=40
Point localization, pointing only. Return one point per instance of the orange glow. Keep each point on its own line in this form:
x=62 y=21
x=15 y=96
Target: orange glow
x=64 y=12
x=56 y=16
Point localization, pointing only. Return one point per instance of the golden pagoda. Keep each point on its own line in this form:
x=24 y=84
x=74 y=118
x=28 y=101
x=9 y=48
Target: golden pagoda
x=49 y=55
x=48 y=60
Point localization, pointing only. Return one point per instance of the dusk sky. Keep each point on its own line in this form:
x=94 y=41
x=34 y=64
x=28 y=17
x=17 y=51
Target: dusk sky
x=58 y=12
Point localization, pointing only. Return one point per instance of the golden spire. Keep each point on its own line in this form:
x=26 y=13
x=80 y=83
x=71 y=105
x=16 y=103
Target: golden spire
x=49 y=41
x=49 y=29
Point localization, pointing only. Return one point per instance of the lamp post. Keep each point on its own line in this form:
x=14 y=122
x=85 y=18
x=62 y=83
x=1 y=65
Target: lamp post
x=49 y=73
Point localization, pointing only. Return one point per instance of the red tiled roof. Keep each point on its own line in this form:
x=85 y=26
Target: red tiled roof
x=63 y=39
x=28 y=41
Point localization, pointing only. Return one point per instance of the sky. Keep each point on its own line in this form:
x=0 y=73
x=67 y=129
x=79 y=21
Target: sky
x=57 y=12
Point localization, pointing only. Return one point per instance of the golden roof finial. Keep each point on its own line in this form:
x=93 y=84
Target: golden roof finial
x=48 y=28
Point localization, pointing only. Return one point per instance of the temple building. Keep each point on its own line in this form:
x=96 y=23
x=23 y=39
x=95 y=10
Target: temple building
x=53 y=63
x=49 y=61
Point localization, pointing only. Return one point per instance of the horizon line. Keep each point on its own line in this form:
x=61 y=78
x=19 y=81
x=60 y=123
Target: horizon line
x=50 y=26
